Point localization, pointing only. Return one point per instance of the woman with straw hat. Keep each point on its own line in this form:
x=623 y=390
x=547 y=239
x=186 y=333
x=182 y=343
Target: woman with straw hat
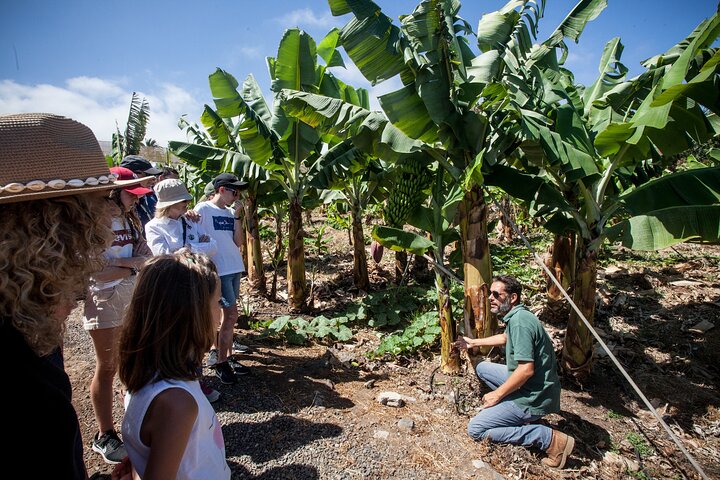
x=52 y=181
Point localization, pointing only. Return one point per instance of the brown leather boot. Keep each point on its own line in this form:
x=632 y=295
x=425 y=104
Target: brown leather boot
x=559 y=450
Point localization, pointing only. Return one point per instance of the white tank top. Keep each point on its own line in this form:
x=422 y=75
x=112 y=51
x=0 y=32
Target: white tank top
x=204 y=455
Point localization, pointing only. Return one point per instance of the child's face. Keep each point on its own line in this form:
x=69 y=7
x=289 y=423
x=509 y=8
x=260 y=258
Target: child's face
x=215 y=306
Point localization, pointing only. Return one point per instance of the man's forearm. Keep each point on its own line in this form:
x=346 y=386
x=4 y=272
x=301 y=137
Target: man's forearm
x=517 y=379
x=494 y=341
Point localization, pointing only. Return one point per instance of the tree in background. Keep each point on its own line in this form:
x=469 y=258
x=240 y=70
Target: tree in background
x=130 y=142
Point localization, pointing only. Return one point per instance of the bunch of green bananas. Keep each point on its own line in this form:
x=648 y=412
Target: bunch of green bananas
x=412 y=180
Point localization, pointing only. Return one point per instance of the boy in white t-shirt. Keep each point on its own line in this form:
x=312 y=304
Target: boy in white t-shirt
x=218 y=219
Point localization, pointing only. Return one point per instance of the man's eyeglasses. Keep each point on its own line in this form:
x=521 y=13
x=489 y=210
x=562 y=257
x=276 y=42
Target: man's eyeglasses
x=495 y=294
x=234 y=192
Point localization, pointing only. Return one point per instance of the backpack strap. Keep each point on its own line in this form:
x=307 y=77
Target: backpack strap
x=184 y=224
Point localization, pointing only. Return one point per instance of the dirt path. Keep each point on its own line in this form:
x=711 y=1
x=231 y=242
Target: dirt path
x=312 y=412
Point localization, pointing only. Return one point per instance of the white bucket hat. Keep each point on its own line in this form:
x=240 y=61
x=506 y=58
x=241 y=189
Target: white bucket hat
x=171 y=191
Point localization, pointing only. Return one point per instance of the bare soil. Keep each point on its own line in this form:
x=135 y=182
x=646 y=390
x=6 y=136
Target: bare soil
x=312 y=412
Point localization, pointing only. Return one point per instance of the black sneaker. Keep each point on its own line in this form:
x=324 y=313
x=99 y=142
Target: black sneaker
x=225 y=373
x=110 y=447
x=239 y=368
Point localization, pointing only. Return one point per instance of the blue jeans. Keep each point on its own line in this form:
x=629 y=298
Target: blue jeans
x=229 y=289
x=506 y=422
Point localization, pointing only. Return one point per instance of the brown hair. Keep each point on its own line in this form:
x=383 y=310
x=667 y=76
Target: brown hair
x=48 y=249
x=169 y=323
x=131 y=216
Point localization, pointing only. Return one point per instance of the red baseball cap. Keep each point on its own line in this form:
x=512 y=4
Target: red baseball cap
x=127 y=174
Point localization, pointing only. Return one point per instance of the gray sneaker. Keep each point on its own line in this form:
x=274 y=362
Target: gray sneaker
x=212 y=358
x=238 y=347
x=110 y=447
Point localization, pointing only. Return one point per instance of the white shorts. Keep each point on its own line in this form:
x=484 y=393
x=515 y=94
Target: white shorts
x=106 y=308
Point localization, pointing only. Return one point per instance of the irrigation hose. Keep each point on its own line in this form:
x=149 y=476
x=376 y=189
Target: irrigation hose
x=642 y=396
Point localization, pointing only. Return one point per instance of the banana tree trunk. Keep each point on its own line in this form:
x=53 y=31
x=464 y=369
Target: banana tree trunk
x=561 y=261
x=400 y=266
x=297 y=284
x=577 y=353
x=473 y=214
x=278 y=252
x=360 y=271
x=449 y=357
x=256 y=272
x=505 y=220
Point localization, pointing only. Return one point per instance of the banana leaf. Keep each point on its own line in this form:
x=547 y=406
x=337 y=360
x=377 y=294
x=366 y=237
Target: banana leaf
x=399 y=240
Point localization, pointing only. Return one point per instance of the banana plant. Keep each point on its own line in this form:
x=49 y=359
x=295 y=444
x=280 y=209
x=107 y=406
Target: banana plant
x=359 y=180
x=619 y=124
x=436 y=220
x=443 y=80
x=130 y=142
x=288 y=149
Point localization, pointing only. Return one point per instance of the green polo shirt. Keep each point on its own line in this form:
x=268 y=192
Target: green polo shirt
x=528 y=341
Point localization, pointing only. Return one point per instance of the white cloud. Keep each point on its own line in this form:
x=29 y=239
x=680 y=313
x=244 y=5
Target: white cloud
x=250 y=52
x=94 y=87
x=305 y=17
x=101 y=104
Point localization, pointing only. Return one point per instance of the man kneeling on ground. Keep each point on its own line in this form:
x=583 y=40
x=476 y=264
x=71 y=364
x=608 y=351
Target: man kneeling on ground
x=525 y=389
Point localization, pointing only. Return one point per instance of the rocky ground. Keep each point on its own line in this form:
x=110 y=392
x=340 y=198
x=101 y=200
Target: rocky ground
x=313 y=412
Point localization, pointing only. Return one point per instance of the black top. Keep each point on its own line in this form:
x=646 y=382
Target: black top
x=40 y=426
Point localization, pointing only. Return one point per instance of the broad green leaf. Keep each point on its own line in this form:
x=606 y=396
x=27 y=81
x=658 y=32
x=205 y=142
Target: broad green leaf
x=375 y=47
x=407 y=112
x=541 y=196
x=571 y=161
x=399 y=240
x=494 y=29
x=664 y=228
x=575 y=22
x=692 y=187
x=612 y=73
x=369 y=131
x=327 y=49
x=218 y=129
x=295 y=62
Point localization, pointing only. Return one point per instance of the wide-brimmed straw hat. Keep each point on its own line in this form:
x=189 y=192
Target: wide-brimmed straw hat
x=44 y=155
x=171 y=191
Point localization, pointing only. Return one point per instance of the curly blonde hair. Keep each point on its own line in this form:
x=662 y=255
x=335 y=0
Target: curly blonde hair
x=48 y=249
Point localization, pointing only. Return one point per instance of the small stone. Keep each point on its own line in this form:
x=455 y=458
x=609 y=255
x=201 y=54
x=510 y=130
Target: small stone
x=391 y=399
x=685 y=283
x=381 y=434
x=370 y=384
x=406 y=424
x=478 y=464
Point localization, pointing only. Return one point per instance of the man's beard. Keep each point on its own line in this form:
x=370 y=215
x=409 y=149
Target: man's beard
x=504 y=308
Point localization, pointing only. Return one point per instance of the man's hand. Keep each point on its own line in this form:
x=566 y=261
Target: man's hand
x=491 y=398
x=462 y=343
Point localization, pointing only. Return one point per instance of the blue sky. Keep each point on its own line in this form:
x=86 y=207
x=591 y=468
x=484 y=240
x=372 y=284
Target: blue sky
x=84 y=58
